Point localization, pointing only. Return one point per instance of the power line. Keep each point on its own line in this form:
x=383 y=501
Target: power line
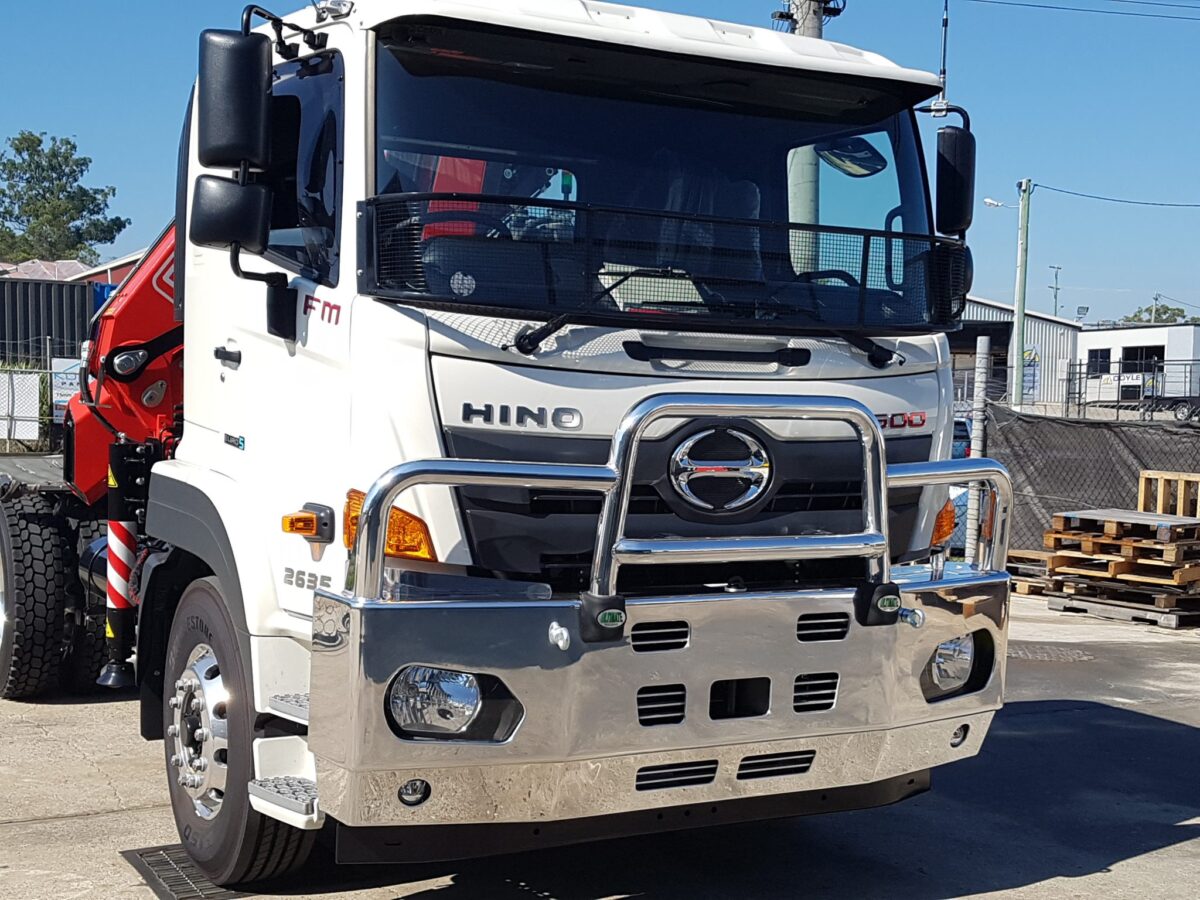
x=1099 y=12
x=1046 y=187
x=1155 y=3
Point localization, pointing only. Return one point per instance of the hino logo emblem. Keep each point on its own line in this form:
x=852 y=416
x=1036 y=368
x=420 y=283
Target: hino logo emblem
x=723 y=484
x=563 y=419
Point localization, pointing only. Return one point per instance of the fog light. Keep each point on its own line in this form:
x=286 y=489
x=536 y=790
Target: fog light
x=952 y=662
x=415 y=792
x=428 y=701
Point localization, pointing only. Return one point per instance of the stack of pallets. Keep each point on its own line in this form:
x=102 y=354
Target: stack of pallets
x=1128 y=564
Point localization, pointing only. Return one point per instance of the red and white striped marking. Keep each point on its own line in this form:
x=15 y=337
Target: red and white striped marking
x=122 y=550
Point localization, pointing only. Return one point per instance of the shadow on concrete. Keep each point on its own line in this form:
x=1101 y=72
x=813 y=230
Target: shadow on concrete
x=90 y=697
x=1062 y=789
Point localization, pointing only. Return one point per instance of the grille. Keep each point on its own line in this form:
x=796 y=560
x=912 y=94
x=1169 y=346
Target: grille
x=676 y=775
x=813 y=627
x=644 y=500
x=776 y=765
x=662 y=704
x=815 y=693
x=653 y=637
x=557 y=257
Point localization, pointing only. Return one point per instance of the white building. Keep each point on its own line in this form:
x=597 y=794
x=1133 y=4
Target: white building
x=1051 y=347
x=1135 y=362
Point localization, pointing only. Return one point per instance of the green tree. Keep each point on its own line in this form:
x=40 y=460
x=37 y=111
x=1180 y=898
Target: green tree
x=1162 y=315
x=45 y=211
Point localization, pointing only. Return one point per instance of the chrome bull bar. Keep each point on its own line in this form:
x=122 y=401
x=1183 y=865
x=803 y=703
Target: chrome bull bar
x=365 y=574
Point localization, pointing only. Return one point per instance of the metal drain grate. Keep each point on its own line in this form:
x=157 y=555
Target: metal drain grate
x=171 y=874
x=1047 y=653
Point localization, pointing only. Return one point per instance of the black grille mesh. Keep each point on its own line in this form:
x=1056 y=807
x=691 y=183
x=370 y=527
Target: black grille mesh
x=557 y=258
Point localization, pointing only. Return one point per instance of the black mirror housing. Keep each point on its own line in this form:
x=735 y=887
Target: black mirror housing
x=955 y=180
x=225 y=213
x=233 y=122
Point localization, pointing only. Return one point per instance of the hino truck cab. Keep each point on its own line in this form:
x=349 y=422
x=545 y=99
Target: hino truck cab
x=567 y=436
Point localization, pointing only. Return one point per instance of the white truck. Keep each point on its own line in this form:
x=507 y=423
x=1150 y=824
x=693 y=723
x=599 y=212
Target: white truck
x=566 y=438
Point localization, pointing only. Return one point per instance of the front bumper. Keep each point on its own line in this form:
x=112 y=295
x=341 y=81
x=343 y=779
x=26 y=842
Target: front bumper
x=581 y=750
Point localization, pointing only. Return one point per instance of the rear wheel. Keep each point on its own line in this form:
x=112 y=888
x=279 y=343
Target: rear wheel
x=35 y=554
x=1182 y=411
x=208 y=718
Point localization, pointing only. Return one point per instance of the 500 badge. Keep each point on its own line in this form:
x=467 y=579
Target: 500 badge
x=308 y=581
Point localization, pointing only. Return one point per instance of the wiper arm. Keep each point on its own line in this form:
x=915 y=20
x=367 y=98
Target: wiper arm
x=879 y=356
x=530 y=342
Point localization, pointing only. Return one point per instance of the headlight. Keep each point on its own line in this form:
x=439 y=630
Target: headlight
x=434 y=702
x=952 y=663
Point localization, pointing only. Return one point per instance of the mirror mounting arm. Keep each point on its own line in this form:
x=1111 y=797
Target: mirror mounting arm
x=281 y=299
x=312 y=39
x=941 y=109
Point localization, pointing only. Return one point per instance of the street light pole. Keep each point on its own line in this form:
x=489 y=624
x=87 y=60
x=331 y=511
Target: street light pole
x=1025 y=188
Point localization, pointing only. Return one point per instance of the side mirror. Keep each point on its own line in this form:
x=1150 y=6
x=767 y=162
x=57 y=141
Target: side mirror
x=225 y=213
x=233 y=121
x=955 y=180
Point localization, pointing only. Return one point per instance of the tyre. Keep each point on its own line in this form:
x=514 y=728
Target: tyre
x=1182 y=411
x=35 y=555
x=208 y=718
x=86 y=649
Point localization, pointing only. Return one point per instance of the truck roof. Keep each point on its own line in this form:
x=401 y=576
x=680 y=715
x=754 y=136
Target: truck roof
x=652 y=30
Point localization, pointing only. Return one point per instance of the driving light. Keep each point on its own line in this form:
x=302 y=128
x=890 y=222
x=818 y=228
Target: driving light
x=407 y=535
x=943 y=528
x=434 y=702
x=952 y=663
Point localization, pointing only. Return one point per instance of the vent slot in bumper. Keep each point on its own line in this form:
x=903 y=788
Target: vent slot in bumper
x=822 y=627
x=776 y=765
x=654 y=637
x=815 y=693
x=675 y=775
x=662 y=704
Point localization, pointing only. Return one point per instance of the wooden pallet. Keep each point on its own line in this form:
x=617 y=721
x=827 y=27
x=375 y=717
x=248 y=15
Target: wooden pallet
x=1131 y=548
x=1125 y=612
x=1162 y=492
x=1127 y=523
x=1111 y=567
x=1124 y=592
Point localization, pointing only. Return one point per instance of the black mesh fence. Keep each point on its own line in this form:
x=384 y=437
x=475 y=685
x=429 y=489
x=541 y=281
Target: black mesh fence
x=1060 y=465
x=553 y=258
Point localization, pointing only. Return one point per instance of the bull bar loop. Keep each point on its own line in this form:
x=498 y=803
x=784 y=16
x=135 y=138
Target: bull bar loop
x=614 y=549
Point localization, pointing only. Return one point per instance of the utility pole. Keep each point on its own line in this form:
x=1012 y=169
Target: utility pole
x=807 y=19
x=1025 y=188
x=1154 y=310
x=1054 y=287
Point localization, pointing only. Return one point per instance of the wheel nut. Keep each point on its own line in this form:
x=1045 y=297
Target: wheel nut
x=172 y=731
x=201 y=735
x=200 y=765
x=181 y=780
x=174 y=703
x=196 y=704
x=179 y=685
x=176 y=760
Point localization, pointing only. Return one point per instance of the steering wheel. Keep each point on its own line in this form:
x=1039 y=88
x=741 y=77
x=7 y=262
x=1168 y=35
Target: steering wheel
x=839 y=274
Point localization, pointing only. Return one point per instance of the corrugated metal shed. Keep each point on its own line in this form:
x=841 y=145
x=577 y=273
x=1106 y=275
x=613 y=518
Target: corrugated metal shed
x=33 y=311
x=1055 y=341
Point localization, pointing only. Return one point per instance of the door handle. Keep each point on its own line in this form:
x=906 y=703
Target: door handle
x=225 y=355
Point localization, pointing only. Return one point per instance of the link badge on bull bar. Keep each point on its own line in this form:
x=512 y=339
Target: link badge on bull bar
x=602 y=619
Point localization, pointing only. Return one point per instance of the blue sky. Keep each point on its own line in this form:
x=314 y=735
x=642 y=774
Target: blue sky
x=1097 y=104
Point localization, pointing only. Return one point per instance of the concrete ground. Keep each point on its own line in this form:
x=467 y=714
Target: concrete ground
x=1088 y=786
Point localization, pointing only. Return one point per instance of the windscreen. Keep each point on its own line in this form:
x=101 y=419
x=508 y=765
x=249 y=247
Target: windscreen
x=522 y=174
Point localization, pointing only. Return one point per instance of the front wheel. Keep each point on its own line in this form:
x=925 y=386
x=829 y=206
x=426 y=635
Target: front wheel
x=208 y=719
x=1182 y=411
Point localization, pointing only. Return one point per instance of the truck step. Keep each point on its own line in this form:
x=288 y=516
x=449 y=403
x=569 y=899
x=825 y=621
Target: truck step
x=293 y=706
x=297 y=795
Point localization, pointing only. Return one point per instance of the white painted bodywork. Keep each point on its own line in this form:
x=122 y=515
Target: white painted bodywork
x=367 y=388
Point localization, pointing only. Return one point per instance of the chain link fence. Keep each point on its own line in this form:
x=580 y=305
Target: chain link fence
x=1061 y=464
x=37 y=375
